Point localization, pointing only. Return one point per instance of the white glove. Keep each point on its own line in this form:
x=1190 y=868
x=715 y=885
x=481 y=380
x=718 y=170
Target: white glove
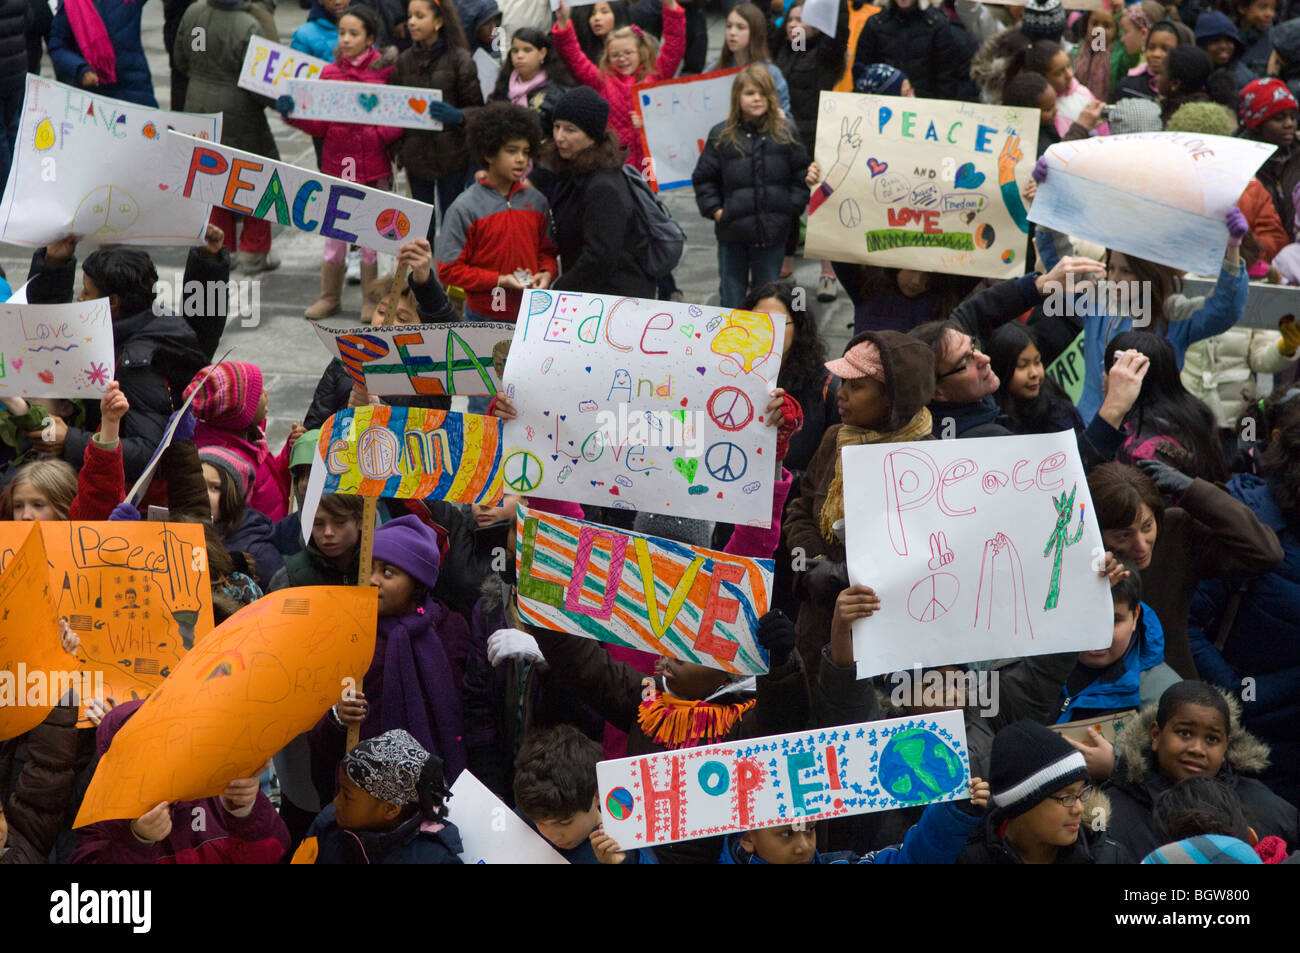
x=513 y=643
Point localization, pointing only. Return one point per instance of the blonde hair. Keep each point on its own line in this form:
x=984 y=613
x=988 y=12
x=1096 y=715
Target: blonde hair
x=647 y=47
x=54 y=479
x=756 y=75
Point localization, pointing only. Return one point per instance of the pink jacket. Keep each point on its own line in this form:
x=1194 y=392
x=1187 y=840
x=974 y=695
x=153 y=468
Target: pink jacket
x=366 y=146
x=617 y=88
x=270 y=495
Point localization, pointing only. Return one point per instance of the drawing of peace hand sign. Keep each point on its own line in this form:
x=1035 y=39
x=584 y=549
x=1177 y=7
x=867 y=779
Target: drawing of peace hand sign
x=1008 y=158
x=850 y=138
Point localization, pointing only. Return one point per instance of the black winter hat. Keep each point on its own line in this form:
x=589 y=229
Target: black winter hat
x=1028 y=763
x=586 y=109
x=1190 y=66
x=1043 y=20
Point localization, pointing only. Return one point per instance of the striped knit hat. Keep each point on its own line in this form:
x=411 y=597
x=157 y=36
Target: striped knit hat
x=230 y=396
x=1030 y=762
x=223 y=458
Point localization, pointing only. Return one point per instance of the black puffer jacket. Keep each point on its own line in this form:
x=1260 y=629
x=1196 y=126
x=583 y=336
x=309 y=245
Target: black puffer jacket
x=807 y=73
x=15 y=17
x=921 y=44
x=156 y=355
x=431 y=155
x=756 y=181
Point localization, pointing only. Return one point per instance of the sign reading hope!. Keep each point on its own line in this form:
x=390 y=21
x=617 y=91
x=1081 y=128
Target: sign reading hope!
x=802 y=776
x=308 y=201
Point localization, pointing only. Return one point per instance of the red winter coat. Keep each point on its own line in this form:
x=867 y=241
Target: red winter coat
x=367 y=146
x=101 y=483
x=270 y=494
x=617 y=88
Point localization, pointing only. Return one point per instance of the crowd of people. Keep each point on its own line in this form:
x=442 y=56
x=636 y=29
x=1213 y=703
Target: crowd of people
x=1193 y=469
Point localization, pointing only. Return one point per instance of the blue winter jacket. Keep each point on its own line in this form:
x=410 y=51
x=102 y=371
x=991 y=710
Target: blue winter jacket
x=937 y=838
x=122 y=21
x=318 y=36
x=415 y=842
x=1145 y=651
x=1221 y=310
x=1263 y=644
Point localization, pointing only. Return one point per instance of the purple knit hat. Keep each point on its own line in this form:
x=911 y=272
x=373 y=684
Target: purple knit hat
x=223 y=458
x=412 y=546
x=230 y=396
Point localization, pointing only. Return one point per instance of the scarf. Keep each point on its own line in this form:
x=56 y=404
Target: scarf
x=918 y=428
x=92 y=39
x=419 y=692
x=673 y=722
x=519 y=89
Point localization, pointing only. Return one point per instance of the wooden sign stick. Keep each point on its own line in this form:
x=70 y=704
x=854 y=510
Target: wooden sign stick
x=363 y=579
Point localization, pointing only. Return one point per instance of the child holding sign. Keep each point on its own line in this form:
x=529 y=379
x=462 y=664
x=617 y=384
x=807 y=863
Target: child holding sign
x=352 y=151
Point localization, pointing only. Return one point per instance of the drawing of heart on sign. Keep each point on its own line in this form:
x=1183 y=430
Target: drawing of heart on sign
x=368 y=101
x=419 y=105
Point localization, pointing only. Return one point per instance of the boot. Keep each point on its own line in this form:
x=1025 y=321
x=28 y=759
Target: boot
x=331 y=287
x=370 y=295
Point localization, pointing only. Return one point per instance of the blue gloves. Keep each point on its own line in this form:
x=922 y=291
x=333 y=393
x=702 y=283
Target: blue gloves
x=185 y=429
x=125 y=511
x=284 y=105
x=446 y=113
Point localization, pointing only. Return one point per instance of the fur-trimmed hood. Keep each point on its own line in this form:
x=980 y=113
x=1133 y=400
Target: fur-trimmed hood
x=988 y=67
x=606 y=154
x=494 y=594
x=1246 y=754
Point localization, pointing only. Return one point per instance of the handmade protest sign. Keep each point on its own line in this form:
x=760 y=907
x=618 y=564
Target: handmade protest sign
x=931 y=184
x=677 y=115
x=264 y=676
x=371 y=104
x=1161 y=196
x=491 y=833
x=308 y=201
x=138 y=594
x=978 y=549
x=803 y=776
x=412 y=453
x=86 y=165
x=1107 y=725
x=642 y=592
x=269 y=67
x=56 y=350
x=34 y=669
x=423 y=359
x=1067 y=369
x=646 y=405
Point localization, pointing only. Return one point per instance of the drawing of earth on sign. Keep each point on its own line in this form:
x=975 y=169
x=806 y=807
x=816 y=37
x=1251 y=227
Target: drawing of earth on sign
x=918 y=766
x=105 y=211
x=933 y=596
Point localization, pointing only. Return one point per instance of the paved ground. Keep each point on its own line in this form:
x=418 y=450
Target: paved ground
x=282 y=342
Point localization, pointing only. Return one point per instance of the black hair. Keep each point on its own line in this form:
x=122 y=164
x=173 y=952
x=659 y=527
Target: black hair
x=1164 y=26
x=452 y=31
x=1197 y=806
x=1221 y=86
x=1191 y=67
x=553 y=65
x=1191 y=692
x=368 y=17
x=1024 y=89
x=432 y=790
x=1023 y=54
x=1164 y=406
x=806 y=361
x=1128 y=591
x=555 y=773
x=490 y=128
x=592 y=45
x=934 y=335
x=126 y=272
x=1050 y=411
x=1279 y=460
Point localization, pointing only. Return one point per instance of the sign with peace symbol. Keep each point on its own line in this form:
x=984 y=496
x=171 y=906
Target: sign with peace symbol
x=730 y=408
x=522 y=471
x=725 y=461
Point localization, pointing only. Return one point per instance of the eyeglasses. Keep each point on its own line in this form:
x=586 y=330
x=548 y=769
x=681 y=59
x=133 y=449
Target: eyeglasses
x=964 y=363
x=623 y=55
x=1068 y=801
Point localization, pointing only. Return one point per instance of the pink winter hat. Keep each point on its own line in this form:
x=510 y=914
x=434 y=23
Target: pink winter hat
x=230 y=396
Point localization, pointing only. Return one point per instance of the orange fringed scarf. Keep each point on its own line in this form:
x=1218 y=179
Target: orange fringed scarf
x=676 y=723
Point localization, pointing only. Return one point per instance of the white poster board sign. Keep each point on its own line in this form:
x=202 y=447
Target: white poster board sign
x=643 y=405
x=56 y=350
x=1161 y=196
x=491 y=833
x=268 y=66
x=86 y=165
x=369 y=104
x=978 y=549
x=677 y=115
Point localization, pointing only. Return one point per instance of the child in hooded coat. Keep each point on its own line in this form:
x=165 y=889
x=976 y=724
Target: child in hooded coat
x=410 y=683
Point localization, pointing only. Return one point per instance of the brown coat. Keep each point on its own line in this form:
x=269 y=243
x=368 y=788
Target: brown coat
x=36 y=805
x=431 y=155
x=1210 y=535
